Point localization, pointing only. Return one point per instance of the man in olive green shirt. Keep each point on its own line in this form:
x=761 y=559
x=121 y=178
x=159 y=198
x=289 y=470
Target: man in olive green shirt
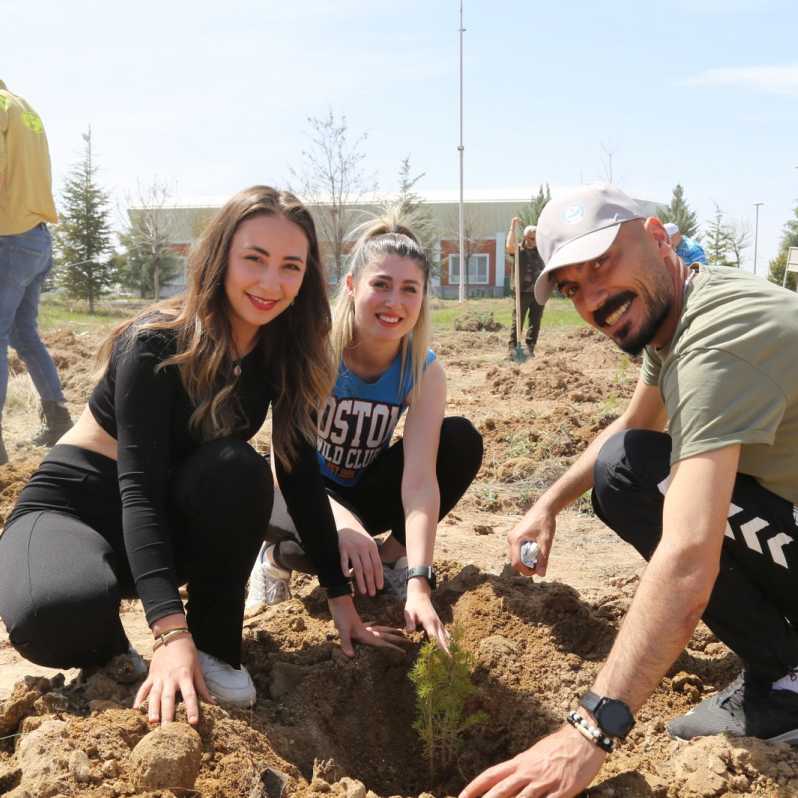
x=26 y=206
x=711 y=504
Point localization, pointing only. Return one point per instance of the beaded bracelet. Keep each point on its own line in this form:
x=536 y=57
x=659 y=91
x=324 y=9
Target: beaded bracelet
x=164 y=638
x=591 y=732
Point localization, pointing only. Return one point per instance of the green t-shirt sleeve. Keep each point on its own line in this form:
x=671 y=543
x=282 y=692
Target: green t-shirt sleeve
x=715 y=399
x=650 y=369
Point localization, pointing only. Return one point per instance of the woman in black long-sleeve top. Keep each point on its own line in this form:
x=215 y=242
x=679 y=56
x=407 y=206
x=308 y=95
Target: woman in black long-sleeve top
x=155 y=485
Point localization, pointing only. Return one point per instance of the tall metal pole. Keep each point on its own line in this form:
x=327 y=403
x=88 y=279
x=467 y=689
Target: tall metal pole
x=463 y=264
x=756 y=231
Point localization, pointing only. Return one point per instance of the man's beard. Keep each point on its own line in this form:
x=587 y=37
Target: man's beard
x=657 y=311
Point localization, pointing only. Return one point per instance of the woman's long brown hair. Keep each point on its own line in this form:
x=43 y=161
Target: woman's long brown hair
x=295 y=346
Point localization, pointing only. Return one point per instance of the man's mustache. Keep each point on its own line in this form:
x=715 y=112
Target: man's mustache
x=611 y=305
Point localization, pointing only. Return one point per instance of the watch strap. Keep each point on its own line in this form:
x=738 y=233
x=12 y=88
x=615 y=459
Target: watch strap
x=590 y=701
x=425 y=571
x=599 y=706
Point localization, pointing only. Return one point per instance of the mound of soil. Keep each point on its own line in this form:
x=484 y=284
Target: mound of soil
x=13 y=477
x=475 y=322
x=74 y=356
x=325 y=725
x=328 y=724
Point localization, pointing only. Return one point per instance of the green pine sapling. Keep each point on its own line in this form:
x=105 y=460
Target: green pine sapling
x=443 y=685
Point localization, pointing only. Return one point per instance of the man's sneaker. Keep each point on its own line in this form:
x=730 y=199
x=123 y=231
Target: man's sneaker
x=394 y=578
x=746 y=708
x=268 y=583
x=231 y=686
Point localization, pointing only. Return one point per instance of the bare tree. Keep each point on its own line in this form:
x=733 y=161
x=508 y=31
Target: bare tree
x=739 y=240
x=474 y=236
x=332 y=178
x=609 y=152
x=151 y=234
x=718 y=240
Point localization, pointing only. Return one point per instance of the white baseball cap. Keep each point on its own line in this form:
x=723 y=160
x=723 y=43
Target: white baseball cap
x=671 y=229
x=578 y=226
x=529 y=229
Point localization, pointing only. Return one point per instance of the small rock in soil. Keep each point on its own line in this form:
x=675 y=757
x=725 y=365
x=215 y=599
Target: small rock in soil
x=167 y=758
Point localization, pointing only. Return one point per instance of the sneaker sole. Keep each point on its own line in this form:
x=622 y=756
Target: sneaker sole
x=790 y=737
x=238 y=703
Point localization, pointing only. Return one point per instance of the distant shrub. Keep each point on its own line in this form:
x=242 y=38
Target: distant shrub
x=474 y=322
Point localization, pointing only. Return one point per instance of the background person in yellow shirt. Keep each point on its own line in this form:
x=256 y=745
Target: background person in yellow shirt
x=26 y=206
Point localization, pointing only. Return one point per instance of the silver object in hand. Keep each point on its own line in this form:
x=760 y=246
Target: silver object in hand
x=529 y=554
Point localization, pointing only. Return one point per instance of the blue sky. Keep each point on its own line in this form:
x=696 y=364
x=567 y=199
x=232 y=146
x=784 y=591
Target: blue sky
x=214 y=96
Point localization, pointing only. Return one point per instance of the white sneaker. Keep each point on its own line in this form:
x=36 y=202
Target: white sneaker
x=138 y=667
x=229 y=685
x=268 y=583
x=126 y=668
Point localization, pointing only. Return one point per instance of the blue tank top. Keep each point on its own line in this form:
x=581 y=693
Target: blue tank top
x=358 y=419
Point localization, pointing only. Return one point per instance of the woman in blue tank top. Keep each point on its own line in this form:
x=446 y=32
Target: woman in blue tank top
x=381 y=332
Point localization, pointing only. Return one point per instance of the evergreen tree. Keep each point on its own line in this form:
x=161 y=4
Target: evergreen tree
x=779 y=263
x=719 y=241
x=680 y=214
x=134 y=267
x=531 y=213
x=83 y=235
x=411 y=208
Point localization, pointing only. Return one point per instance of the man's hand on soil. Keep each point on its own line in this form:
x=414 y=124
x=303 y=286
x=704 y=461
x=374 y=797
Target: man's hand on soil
x=559 y=766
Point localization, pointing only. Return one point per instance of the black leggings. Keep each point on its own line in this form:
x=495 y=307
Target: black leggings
x=64 y=570
x=754 y=604
x=377 y=499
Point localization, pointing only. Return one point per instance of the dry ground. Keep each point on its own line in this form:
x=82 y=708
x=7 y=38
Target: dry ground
x=536 y=644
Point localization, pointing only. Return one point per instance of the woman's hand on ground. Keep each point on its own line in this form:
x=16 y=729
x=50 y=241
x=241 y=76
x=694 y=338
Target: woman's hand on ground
x=360 y=558
x=419 y=611
x=351 y=628
x=539 y=524
x=174 y=668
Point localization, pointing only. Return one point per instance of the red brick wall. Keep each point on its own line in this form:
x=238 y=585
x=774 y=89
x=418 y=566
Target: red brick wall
x=486 y=247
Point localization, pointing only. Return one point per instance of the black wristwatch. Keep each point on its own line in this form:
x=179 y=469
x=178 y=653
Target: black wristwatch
x=425 y=571
x=613 y=717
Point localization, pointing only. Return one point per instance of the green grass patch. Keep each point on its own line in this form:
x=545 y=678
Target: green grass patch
x=56 y=313
x=558 y=312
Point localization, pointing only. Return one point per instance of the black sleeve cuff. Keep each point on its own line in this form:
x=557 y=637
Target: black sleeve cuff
x=341 y=589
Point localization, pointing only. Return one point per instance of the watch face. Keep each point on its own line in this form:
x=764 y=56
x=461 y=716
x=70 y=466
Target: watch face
x=615 y=718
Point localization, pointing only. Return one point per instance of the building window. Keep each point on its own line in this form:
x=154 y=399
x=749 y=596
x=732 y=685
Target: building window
x=477 y=269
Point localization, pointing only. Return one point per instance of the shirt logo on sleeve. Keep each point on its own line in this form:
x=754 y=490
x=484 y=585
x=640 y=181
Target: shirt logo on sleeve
x=32 y=121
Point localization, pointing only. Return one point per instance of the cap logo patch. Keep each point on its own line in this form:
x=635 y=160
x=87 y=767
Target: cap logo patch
x=573 y=214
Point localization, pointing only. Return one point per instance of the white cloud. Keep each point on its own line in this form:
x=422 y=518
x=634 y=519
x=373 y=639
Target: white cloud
x=772 y=79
